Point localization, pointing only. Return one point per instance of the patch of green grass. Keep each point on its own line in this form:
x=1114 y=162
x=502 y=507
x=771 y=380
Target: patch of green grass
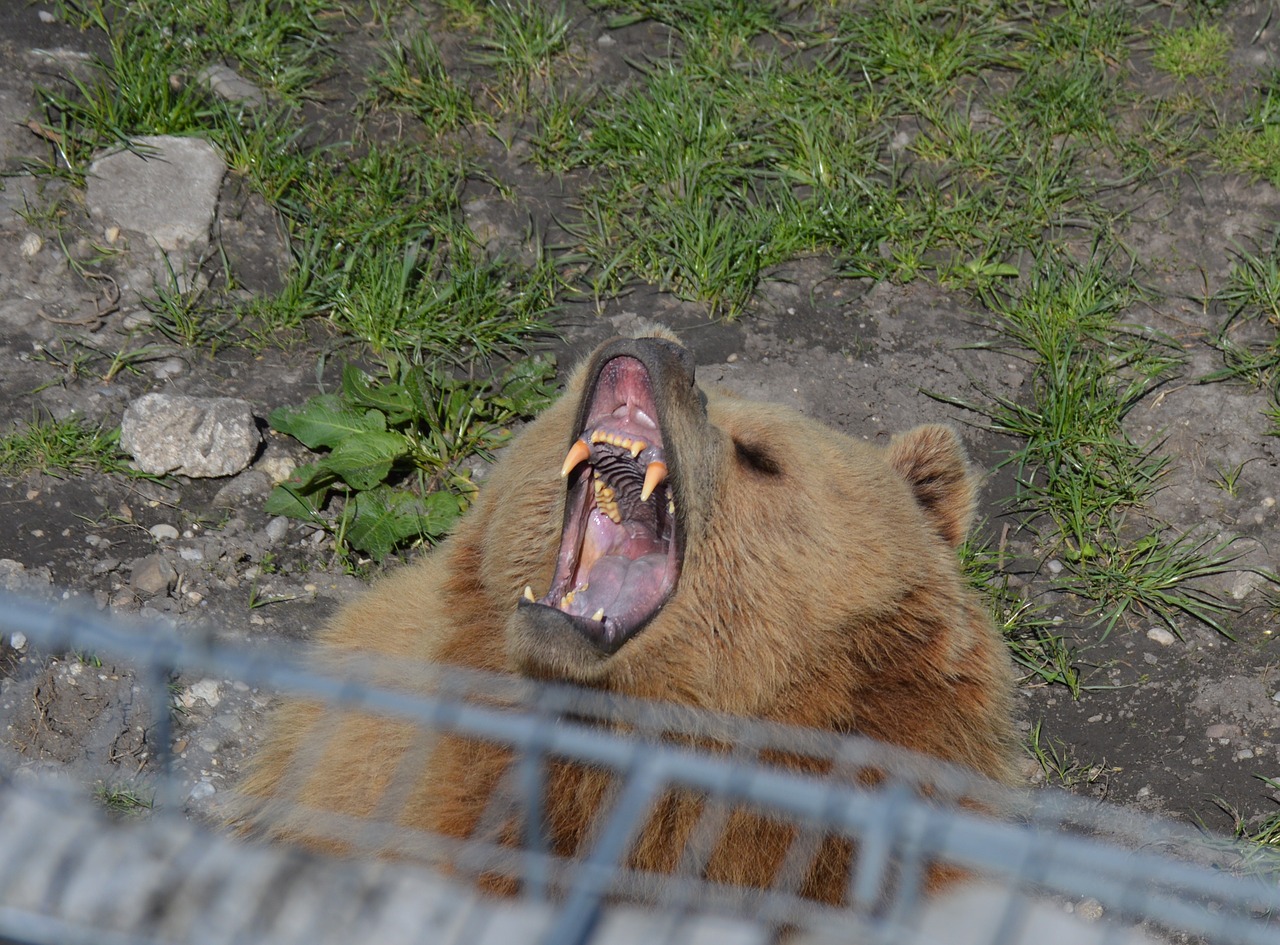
x=1022 y=622
x=394 y=449
x=1078 y=469
x=1200 y=50
x=70 y=446
x=921 y=49
x=714 y=23
x=1249 y=338
x=123 y=801
x=413 y=78
x=522 y=39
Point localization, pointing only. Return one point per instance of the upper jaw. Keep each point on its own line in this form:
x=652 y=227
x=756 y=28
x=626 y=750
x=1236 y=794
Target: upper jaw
x=622 y=544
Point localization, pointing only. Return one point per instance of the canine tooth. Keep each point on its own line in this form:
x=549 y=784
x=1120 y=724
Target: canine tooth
x=577 y=453
x=636 y=446
x=654 y=475
x=598 y=615
x=528 y=593
x=671 y=506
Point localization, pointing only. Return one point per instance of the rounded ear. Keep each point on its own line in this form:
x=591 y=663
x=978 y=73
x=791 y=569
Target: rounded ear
x=934 y=464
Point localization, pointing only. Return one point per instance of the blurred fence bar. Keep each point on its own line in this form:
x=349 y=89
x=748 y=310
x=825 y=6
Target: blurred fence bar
x=68 y=874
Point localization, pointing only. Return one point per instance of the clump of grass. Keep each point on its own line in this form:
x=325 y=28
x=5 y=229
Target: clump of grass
x=1252 y=299
x=1026 y=628
x=522 y=39
x=1200 y=50
x=123 y=801
x=69 y=446
x=413 y=78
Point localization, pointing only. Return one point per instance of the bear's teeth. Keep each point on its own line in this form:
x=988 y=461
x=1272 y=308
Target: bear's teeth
x=606 y=500
x=654 y=475
x=577 y=453
x=622 y=442
x=528 y=593
x=598 y=616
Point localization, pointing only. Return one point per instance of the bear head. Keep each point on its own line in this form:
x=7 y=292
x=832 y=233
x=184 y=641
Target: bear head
x=663 y=542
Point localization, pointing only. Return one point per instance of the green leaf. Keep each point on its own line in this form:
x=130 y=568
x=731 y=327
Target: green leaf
x=397 y=402
x=364 y=460
x=287 y=499
x=325 y=421
x=383 y=518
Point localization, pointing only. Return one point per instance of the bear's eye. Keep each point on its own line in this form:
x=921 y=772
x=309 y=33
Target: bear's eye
x=757 y=458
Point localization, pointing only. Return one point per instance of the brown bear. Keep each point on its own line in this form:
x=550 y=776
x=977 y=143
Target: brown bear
x=646 y=538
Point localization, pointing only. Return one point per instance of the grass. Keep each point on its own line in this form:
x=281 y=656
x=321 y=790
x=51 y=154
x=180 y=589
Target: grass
x=71 y=446
x=123 y=801
x=995 y=149
x=1058 y=763
x=989 y=147
x=1199 y=50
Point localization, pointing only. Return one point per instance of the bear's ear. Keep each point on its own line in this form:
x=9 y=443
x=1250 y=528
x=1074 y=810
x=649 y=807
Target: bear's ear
x=934 y=464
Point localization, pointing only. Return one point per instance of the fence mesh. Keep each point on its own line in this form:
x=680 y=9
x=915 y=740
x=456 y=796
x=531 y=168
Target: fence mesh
x=1045 y=868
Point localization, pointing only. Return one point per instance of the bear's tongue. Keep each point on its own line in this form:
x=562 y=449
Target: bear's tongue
x=620 y=570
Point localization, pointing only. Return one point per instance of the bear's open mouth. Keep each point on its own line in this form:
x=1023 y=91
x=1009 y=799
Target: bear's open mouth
x=619 y=557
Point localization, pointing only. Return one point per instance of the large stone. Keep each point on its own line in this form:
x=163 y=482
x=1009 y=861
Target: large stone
x=194 y=436
x=167 y=189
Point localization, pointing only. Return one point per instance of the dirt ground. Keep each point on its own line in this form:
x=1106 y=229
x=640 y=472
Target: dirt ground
x=1187 y=727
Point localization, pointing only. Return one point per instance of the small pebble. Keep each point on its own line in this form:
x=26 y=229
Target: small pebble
x=32 y=243
x=46 y=17
x=277 y=528
x=163 y=532
x=202 y=789
x=1162 y=636
x=1244 y=754
x=18 y=641
x=1090 y=909
x=1054 y=566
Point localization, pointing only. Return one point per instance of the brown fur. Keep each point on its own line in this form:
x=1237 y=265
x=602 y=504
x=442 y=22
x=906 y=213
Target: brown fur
x=820 y=587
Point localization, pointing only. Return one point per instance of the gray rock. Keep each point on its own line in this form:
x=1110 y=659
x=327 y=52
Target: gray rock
x=226 y=83
x=198 y=437
x=277 y=528
x=166 y=189
x=153 y=576
x=16 y=576
x=249 y=487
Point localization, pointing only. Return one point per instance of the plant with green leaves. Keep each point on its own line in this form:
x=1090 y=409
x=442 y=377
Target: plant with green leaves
x=395 y=448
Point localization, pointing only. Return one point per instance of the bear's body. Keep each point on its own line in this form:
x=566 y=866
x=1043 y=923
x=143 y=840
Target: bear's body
x=778 y=570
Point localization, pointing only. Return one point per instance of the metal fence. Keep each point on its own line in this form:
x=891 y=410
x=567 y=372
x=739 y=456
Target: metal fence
x=1045 y=868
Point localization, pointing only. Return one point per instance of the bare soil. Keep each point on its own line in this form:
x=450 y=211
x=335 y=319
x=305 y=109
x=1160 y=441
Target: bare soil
x=1188 y=728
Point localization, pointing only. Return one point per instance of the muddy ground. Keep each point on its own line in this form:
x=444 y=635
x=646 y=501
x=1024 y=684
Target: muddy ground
x=1185 y=726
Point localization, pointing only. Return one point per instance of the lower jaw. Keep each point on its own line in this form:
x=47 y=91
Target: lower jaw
x=545 y=643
